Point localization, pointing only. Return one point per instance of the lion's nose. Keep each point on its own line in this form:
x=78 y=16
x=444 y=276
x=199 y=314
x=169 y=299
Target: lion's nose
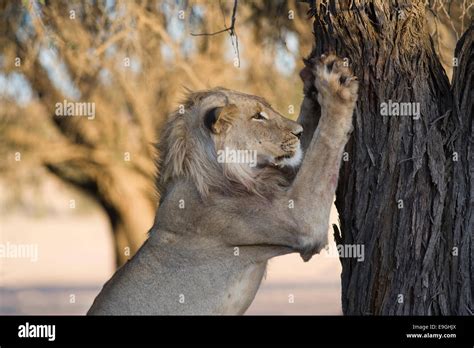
x=297 y=133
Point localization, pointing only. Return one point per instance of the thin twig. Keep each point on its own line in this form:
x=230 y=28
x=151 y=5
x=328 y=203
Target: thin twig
x=231 y=30
x=211 y=34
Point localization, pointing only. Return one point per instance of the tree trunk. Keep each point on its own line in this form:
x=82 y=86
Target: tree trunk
x=121 y=188
x=406 y=187
x=125 y=190
x=127 y=199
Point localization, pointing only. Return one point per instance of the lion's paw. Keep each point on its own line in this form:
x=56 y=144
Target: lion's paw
x=334 y=81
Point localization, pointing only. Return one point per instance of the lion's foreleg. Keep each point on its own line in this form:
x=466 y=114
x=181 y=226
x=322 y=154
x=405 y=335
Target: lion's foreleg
x=314 y=186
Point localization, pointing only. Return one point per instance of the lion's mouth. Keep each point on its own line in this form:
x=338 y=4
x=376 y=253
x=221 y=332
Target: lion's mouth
x=291 y=158
x=285 y=156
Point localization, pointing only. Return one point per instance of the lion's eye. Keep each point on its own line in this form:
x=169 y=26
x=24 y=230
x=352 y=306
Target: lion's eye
x=259 y=116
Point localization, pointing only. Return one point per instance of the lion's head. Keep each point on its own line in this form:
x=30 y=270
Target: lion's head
x=228 y=141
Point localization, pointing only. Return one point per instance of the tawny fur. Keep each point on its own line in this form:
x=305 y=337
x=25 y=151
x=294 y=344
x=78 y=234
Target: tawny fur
x=219 y=223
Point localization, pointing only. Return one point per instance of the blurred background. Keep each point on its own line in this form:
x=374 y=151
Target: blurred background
x=77 y=193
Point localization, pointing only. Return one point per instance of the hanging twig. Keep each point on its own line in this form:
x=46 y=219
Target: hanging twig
x=231 y=30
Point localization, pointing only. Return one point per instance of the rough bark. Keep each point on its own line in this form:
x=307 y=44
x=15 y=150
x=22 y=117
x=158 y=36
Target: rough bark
x=459 y=212
x=403 y=194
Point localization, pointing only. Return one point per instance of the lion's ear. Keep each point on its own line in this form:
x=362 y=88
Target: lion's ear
x=219 y=119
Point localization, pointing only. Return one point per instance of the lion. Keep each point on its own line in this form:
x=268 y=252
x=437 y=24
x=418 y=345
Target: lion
x=221 y=218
